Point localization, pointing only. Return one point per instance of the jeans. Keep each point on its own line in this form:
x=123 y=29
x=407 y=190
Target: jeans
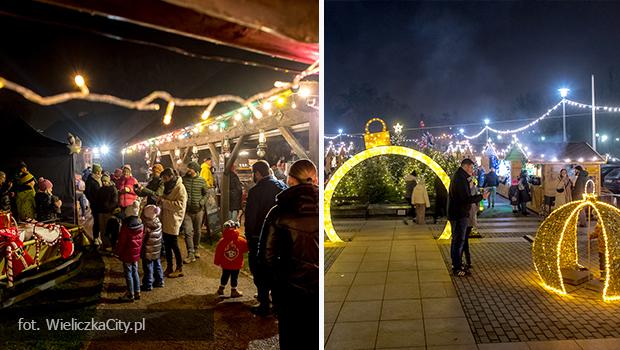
x=192 y=224
x=172 y=245
x=459 y=230
x=420 y=213
x=132 y=278
x=234 y=215
x=234 y=276
x=523 y=207
x=491 y=200
x=152 y=272
x=466 y=245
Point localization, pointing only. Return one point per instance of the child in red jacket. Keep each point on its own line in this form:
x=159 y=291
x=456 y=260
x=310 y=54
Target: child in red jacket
x=128 y=249
x=229 y=256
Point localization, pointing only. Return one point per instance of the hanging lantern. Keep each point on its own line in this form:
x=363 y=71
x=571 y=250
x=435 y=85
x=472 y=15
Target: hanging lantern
x=177 y=152
x=554 y=251
x=261 y=149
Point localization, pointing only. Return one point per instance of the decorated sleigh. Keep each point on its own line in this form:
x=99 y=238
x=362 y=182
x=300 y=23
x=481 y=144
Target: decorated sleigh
x=33 y=246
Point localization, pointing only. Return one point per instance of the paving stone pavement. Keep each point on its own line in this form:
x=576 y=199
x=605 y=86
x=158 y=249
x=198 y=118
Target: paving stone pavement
x=373 y=300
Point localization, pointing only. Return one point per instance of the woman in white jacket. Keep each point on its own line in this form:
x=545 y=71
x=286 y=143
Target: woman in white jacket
x=419 y=199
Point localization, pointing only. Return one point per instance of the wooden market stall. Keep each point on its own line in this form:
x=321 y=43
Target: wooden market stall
x=544 y=161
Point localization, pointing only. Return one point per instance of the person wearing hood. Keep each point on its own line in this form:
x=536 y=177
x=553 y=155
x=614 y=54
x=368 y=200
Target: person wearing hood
x=153 y=275
x=172 y=204
x=128 y=249
x=93 y=184
x=229 y=256
x=289 y=249
x=125 y=187
x=419 y=199
x=107 y=202
x=261 y=198
x=196 y=188
x=47 y=205
x=154 y=188
x=24 y=199
x=116 y=177
x=236 y=194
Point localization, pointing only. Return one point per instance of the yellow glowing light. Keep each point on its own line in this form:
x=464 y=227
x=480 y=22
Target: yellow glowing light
x=555 y=246
x=205 y=115
x=1 y=83
x=280 y=101
x=168 y=115
x=237 y=116
x=81 y=83
x=381 y=138
x=369 y=153
x=304 y=92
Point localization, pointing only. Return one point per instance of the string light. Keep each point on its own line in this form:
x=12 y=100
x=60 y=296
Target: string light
x=168 y=115
x=81 y=83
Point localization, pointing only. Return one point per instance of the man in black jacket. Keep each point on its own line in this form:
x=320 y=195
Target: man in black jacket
x=491 y=181
x=261 y=198
x=460 y=200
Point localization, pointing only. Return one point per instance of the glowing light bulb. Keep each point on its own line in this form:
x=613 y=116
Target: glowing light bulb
x=237 y=116
x=304 y=92
x=205 y=115
x=280 y=101
x=267 y=106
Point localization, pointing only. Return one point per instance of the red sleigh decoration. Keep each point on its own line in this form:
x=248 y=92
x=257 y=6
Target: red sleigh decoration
x=17 y=259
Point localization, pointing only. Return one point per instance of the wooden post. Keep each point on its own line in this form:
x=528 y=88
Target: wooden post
x=313 y=137
x=225 y=185
x=215 y=156
x=292 y=141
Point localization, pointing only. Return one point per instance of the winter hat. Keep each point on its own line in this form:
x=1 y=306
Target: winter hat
x=151 y=211
x=515 y=182
x=133 y=209
x=194 y=166
x=118 y=172
x=25 y=178
x=97 y=168
x=232 y=224
x=105 y=177
x=127 y=166
x=578 y=167
x=157 y=168
x=45 y=184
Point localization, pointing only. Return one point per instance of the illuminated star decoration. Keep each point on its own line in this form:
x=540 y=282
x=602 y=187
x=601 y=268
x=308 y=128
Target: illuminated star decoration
x=398 y=128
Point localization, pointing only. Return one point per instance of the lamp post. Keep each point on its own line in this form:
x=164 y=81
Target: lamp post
x=486 y=123
x=563 y=93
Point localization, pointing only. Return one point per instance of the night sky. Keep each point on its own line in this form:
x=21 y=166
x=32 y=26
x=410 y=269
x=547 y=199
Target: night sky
x=43 y=47
x=456 y=63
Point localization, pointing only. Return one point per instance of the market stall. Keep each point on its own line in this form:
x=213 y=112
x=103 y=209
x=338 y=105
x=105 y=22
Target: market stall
x=543 y=163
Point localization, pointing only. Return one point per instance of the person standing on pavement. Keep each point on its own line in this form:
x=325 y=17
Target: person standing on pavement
x=261 y=198
x=579 y=188
x=196 y=188
x=172 y=204
x=93 y=184
x=441 y=199
x=491 y=181
x=563 y=189
x=460 y=199
x=154 y=188
x=206 y=172
x=107 y=202
x=236 y=194
x=289 y=249
x=524 y=192
x=410 y=183
x=420 y=200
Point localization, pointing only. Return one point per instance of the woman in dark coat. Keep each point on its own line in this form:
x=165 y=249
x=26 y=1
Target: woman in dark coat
x=236 y=192
x=524 y=192
x=289 y=250
x=441 y=199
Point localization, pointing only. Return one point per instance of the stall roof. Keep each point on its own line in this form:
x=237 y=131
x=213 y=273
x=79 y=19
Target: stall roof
x=548 y=152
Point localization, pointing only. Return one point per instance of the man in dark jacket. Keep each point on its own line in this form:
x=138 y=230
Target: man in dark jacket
x=579 y=189
x=93 y=184
x=261 y=198
x=491 y=181
x=154 y=188
x=196 y=188
x=236 y=194
x=460 y=200
x=106 y=202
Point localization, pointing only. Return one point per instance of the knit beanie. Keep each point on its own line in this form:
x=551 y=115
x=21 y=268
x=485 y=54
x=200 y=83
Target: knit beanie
x=133 y=209
x=25 y=178
x=157 y=168
x=194 y=166
x=45 y=184
x=118 y=172
x=151 y=211
x=127 y=166
x=105 y=177
x=97 y=168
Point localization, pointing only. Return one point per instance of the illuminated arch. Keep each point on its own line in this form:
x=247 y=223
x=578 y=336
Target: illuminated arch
x=369 y=153
x=555 y=245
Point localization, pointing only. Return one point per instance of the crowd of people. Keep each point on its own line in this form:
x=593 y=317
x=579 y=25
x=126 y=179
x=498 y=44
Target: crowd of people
x=143 y=223
x=29 y=198
x=464 y=197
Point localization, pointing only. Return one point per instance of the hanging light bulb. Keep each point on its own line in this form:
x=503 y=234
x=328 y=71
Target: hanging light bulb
x=81 y=83
x=267 y=106
x=168 y=115
x=207 y=112
x=280 y=101
x=237 y=116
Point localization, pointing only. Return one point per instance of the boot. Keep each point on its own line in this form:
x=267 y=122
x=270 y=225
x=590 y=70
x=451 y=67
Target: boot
x=220 y=291
x=177 y=273
x=168 y=271
x=127 y=297
x=234 y=293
